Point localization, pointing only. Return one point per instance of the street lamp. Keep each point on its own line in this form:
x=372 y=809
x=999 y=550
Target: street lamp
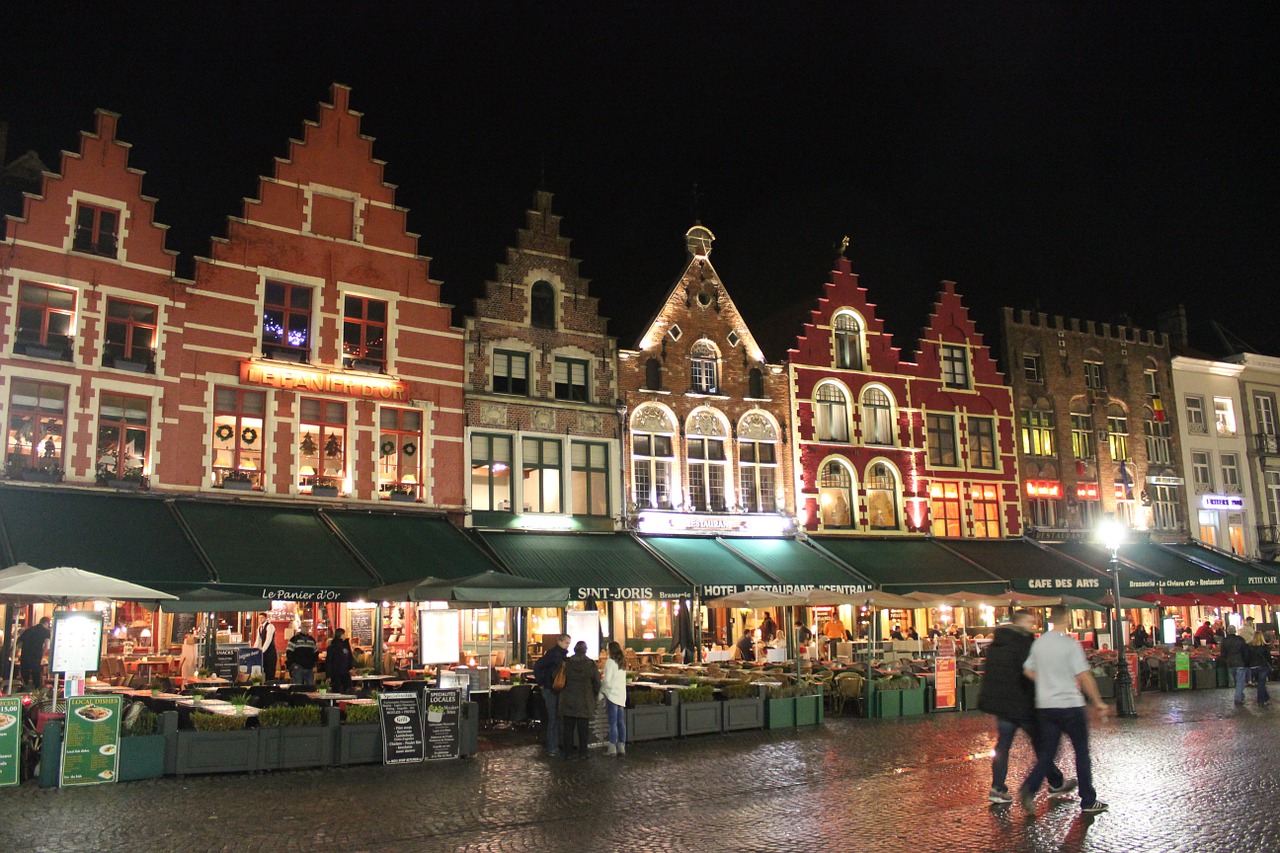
x=1112 y=533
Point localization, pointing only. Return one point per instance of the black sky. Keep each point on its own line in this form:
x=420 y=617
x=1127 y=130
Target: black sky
x=1087 y=159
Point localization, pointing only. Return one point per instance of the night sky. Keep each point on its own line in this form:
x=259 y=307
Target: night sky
x=1090 y=160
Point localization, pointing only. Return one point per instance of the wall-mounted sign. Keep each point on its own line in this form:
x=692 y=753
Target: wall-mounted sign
x=313 y=381
x=1165 y=481
x=304 y=595
x=1044 y=489
x=1222 y=502
x=730 y=525
x=1059 y=583
x=1087 y=491
x=629 y=593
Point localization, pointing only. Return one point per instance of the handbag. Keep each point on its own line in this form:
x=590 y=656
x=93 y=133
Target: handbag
x=557 y=683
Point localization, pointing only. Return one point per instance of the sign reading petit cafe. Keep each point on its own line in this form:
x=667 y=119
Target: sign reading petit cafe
x=322 y=382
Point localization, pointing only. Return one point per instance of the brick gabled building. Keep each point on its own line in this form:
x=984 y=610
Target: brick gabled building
x=318 y=359
x=541 y=391
x=88 y=320
x=707 y=415
x=886 y=446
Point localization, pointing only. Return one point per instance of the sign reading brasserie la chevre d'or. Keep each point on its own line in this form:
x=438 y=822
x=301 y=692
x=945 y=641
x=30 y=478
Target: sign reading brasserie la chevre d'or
x=294 y=378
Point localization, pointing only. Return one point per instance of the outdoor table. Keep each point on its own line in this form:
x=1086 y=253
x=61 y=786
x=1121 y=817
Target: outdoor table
x=718 y=656
x=347 y=703
x=367 y=680
x=329 y=697
x=217 y=706
x=213 y=680
x=103 y=687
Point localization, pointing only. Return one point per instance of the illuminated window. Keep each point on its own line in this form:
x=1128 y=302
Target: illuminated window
x=835 y=496
x=955 y=366
x=542 y=306
x=123 y=433
x=1037 y=432
x=702 y=368
x=982 y=443
x=945 y=509
x=96 y=230
x=1166 y=512
x=1118 y=432
x=590 y=482
x=832 y=411
x=400 y=452
x=652 y=457
x=848 y=339
x=1159 y=441
x=882 y=497
x=131 y=335
x=511 y=373
x=942 y=439
x=286 y=322
x=986 y=511
x=877 y=417
x=1081 y=436
x=239 y=439
x=540 y=488
x=1224 y=414
x=322 y=445
x=758 y=473
x=364 y=333
x=490 y=473
x=571 y=379
x=707 y=467
x=37 y=426
x=46 y=316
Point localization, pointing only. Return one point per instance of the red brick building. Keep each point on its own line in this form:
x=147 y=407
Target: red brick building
x=887 y=446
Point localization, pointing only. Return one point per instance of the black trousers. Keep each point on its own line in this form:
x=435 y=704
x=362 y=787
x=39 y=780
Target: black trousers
x=571 y=726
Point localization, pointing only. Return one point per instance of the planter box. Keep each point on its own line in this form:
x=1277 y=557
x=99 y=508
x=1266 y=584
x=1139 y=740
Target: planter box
x=912 y=702
x=324 y=491
x=35 y=475
x=291 y=747
x=238 y=485
x=217 y=752
x=969 y=696
x=1106 y=685
x=700 y=718
x=402 y=497
x=809 y=710
x=141 y=757
x=742 y=714
x=1203 y=678
x=651 y=722
x=360 y=743
x=887 y=703
x=125 y=485
x=780 y=713
x=131 y=365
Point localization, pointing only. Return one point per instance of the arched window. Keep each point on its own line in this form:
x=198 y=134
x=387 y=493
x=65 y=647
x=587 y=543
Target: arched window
x=652 y=457
x=708 y=463
x=882 y=497
x=702 y=368
x=755 y=384
x=831 y=408
x=848 y=335
x=653 y=374
x=758 y=468
x=542 y=305
x=877 y=417
x=835 y=496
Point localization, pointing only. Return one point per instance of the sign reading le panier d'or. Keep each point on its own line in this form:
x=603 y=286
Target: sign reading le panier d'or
x=294 y=378
x=91 y=742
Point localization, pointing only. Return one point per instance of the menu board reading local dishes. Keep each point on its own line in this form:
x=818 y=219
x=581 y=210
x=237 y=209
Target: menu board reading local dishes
x=10 y=737
x=401 y=728
x=444 y=736
x=77 y=641
x=91 y=743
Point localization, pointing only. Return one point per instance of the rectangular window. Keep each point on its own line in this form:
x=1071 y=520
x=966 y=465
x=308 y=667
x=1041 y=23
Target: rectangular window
x=46 y=316
x=322 y=445
x=1201 y=473
x=942 y=439
x=1230 y=473
x=1209 y=527
x=1264 y=406
x=239 y=437
x=540 y=468
x=1118 y=436
x=590 y=483
x=1195 y=415
x=37 y=427
x=131 y=336
x=286 y=322
x=1082 y=436
x=364 y=334
x=758 y=475
x=652 y=460
x=955 y=366
x=1165 y=513
x=986 y=511
x=1224 y=415
x=982 y=442
x=1272 y=486
x=1149 y=382
x=491 y=473
x=1094 y=378
x=702 y=375
x=96 y=230
x=123 y=433
x=1033 y=368
x=511 y=372
x=706 y=474
x=1044 y=512
x=571 y=379
x=1159 y=443
x=400 y=453
x=1037 y=432
x=945 y=509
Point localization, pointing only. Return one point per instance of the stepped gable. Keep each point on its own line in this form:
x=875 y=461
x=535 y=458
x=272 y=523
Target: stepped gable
x=950 y=323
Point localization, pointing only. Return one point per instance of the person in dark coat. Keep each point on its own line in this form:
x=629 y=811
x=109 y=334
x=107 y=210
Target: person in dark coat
x=1139 y=638
x=544 y=672
x=768 y=629
x=1257 y=656
x=337 y=662
x=1011 y=696
x=578 y=700
x=1231 y=655
x=747 y=646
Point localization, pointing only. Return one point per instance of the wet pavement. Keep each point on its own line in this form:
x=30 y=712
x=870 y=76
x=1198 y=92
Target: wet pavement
x=1193 y=773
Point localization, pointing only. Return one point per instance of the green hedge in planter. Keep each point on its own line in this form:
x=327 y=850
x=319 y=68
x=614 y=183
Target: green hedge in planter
x=361 y=714
x=299 y=715
x=216 y=722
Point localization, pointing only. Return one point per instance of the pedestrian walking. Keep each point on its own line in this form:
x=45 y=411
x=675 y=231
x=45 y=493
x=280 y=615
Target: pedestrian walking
x=544 y=672
x=1257 y=656
x=578 y=700
x=300 y=657
x=614 y=687
x=1011 y=697
x=1231 y=655
x=1063 y=679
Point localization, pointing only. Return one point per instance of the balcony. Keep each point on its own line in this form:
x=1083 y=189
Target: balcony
x=1267 y=544
x=1267 y=444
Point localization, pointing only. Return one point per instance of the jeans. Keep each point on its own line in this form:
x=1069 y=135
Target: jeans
x=304 y=675
x=1260 y=674
x=1240 y=674
x=1054 y=723
x=617 y=722
x=1006 y=729
x=551 y=720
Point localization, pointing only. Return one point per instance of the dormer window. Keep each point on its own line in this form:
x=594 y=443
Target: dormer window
x=96 y=230
x=848 y=335
x=702 y=368
x=955 y=366
x=542 y=306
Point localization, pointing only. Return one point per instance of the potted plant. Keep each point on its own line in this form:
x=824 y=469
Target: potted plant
x=217 y=743
x=743 y=705
x=970 y=690
x=1104 y=675
x=651 y=714
x=324 y=487
x=699 y=712
x=237 y=481
x=296 y=736
x=141 y=744
x=360 y=736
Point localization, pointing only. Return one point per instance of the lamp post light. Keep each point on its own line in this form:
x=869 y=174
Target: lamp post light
x=1113 y=536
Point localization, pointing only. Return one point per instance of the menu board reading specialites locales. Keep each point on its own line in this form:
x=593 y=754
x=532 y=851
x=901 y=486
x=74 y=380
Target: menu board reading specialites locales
x=91 y=740
x=401 y=728
x=10 y=738
x=444 y=736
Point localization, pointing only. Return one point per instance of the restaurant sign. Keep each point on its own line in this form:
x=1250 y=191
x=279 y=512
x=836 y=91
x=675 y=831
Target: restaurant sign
x=444 y=724
x=401 y=718
x=1168 y=584
x=719 y=524
x=629 y=593
x=10 y=738
x=304 y=594
x=289 y=378
x=1232 y=503
x=1057 y=583
x=717 y=590
x=91 y=741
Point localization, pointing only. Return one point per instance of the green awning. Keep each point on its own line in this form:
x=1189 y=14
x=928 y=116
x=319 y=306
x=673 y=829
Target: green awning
x=907 y=565
x=405 y=547
x=279 y=553
x=1032 y=568
x=715 y=570
x=1149 y=568
x=1248 y=575
x=600 y=566
x=796 y=565
x=130 y=537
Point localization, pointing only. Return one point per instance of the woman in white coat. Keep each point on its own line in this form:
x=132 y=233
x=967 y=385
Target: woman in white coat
x=614 y=688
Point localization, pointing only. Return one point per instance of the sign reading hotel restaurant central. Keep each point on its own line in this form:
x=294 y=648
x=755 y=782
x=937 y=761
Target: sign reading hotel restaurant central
x=320 y=381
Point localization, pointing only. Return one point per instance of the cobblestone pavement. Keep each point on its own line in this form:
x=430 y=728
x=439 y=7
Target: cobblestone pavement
x=1194 y=773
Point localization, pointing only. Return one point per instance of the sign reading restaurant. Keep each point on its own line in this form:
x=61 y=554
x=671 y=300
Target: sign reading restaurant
x=290 y=378
x=717 y=590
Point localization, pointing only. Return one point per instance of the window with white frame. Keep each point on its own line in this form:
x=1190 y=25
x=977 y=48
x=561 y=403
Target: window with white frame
x=1271 y=482
x=511 y=372
x=1264 y=407
x=490 y=473
x=882 y=497
x=1149 y=382
x=848 y=335
x=982 y=442
x=1032 y=367
x=835 y=496
x=1081 y=435
x=571 y=379
x=1194 y=407
x=831 y=408
x=955 y=366
x=1224 y=415
x=1166 y=514
x=1159 y=441
x=652 y=457
x=1230 y=473
x=757 y=464
x=590 y=461
x=1118 y=432
x=540 y=487
x=1094 y=379
x=1201 y=472
x=877 y=417
x=708 y=463
x=702 y=368
x=1038 y=427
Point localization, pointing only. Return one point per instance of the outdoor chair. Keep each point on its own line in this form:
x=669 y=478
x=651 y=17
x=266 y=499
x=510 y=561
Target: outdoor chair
x=848 y=688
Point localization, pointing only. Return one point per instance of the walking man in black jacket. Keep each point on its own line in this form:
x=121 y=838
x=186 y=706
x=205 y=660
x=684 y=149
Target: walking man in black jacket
x=1011 y=696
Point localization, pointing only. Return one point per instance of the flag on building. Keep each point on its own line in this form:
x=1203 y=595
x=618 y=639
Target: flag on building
x=1126 y=481
x=1157 y=408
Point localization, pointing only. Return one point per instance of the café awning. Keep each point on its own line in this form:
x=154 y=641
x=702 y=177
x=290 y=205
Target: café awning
x=715 y=570
x=405 y=546
x=1032 y=568
x=1248 y=575
x=132 y=538
x=901 y=566
x=276 y=552
x=599 y=566
x=1146 y=567
x=796 y=565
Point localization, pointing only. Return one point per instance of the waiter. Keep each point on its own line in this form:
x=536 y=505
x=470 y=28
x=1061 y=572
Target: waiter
x=267 y=645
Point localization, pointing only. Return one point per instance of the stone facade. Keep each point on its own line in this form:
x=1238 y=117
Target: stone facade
x=541 y=391
x=1098 y=428
x=1258 y=424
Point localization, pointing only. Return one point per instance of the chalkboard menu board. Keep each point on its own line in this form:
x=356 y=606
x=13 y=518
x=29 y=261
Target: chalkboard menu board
x=228 y=661
x=181 y=626
x=444 y=720
x=401 y=728
x=361 y=627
